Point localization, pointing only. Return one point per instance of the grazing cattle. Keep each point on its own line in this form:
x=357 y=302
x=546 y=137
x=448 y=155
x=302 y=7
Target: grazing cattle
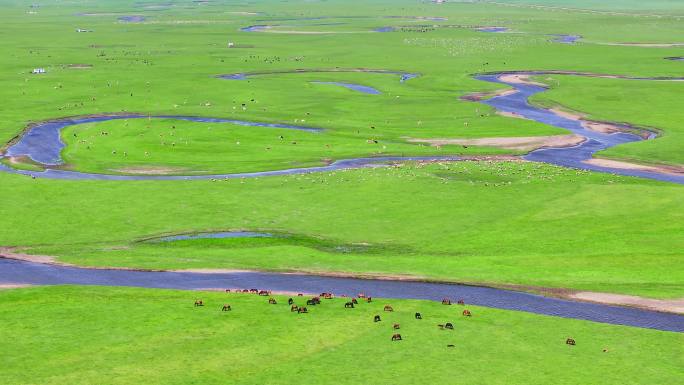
x=253 y=290
x=354 y=301
x=388 y=308
x=226 y=308
x=570 y=341
x=264 y=292
x=395 y=326
x=294 y=308
x=349 y=305
x=446 y=301
x=461 y=302
x=466 y=313
x=369 y=299
x=448 y=325
x=396 y=337
x=418 y=316
x=302 y=310
x=290 y=301
x=272 y=301
x=376 y=318
x=198 y=302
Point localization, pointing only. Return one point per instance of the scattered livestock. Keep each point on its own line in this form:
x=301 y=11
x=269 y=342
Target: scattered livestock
x=449 y=326
x=466 y=313
x=294 y=308
x=446 y=301
x=461 y=302
x=226 y=308
x=396 y=337
x=354 y=301
x=264 y=292
x=418 y=316
x=272 y=301
x=369 y=299
x=199 y=302
x=395 y=326
x=290 y=301
x=376 y=318
x=349 y=305
x=302 y=310
x=570 y=342
x=388 y=308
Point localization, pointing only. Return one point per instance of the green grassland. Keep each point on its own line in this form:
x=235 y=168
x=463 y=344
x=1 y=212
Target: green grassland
x=496 y=222
x=123 y=335
x=477 y=222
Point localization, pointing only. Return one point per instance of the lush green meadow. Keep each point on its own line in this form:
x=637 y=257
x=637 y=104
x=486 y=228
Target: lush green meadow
x=125 y=336
x=476 y=222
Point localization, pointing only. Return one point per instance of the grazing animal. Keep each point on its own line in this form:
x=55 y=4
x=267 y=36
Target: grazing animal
x=450 y=346
x=418 y=316
x=440 y=326
x=199 y=302
x=349 y=305
x=376 y=318
x=226 y=308
x=354 y=301
x=294 y=308
x=311 y=302
x=253 y=290
x=446 y=301
x=388 y=308
x=395 y=326
x=369 y=299
x=448 y=325
x=300 y=295
x=302 y=310
x=245 y=291
x=272 y=301
x=396 y=337
x=264 y=292
x=466 y=313
x=570 y=341
x=227 y=290
x=290 y=301
x=461 y=302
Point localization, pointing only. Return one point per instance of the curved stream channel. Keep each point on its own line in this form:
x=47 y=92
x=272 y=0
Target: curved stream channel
x=42 y=142
x=21 y=272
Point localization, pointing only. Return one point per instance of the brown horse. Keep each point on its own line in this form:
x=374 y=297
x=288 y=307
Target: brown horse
x=369 y=299
x=349 y=305
x=253 y=291
x=294 y=308
x=570 y=341
x=226 y=308
x=396 y=337
x=466 y=313
x=354 y=301
x=302 y=310
x=448 y=325
x=376 y=318
x=290 y=301
x=388 y=308
x=418 y=316
x=272 y=301
x=461 y=302
x=198 y=302
x=227 y=290
x=446 y=301
x=264 y=292
x=395 y=326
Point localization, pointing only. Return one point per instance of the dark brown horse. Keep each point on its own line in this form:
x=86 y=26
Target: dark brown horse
x=466 y=313
x=396 y=337
x=226 y=308
x=290 y=301
x=294 y=308
x=349 y=305
x=302 y=310
x=570 y=341
x=418 y=316
x=461 y=302
x=354 y=301
x=376 y=318
x=272 y=301
x=264 y=292
x=448 y=325
x=446 y=301
x=395 y=326
x=388 y=308
x=198 y=302
x=369 y=299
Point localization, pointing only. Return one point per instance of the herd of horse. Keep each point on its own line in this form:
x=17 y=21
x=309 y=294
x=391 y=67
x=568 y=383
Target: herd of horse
x=316 y=300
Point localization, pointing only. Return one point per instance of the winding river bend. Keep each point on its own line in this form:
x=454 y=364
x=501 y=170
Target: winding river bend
x=42 y=142
x=21 y=272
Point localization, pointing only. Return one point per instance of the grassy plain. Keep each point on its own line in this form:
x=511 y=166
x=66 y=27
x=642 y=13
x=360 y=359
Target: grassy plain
x=122 y=335
x=487 y=222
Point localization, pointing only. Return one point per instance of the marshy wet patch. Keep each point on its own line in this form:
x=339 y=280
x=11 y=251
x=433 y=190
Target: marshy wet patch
x=353 y=87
